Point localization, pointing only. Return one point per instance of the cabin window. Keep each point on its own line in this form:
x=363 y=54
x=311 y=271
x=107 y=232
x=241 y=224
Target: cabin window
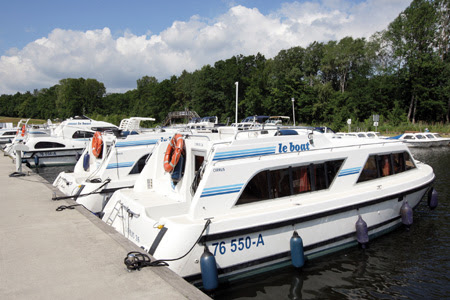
x=280 y=186
x=9 y=133
x=378 y=166
x=369 y=171
x=384 y=164
x=301 y=180
x=398 y=162
x=44 y=145
x=82 y=134
x=256 y=190
x=272 y=184
x=409 y=163
x=140 y=164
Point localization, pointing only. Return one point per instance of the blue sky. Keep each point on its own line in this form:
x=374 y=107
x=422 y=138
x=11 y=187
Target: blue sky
x=23 y=21
x=118 y=42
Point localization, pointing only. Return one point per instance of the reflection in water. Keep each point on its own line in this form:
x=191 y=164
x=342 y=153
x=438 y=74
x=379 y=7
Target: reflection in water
x=403 y=264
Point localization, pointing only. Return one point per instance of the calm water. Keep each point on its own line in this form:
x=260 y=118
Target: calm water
x=412 y=264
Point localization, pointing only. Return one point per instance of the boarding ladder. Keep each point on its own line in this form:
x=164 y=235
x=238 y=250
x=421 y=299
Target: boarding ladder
x=114 y=213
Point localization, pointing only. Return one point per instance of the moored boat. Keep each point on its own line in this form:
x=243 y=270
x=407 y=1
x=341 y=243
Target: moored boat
x=63 y=145
x=414 y=139
x=246 y=197
x=109 y=163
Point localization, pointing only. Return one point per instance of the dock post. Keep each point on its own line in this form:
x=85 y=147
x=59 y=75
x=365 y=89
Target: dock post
x=19 y=161
x=19 y=148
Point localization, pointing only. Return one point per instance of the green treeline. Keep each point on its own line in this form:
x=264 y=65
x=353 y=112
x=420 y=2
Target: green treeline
x=401 y=73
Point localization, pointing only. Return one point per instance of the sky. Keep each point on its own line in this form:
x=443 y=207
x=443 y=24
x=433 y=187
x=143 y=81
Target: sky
x=118 y=42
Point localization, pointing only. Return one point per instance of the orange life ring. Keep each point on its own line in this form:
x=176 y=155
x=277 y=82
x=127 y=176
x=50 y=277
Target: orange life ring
x=173 y=152
x=97 y=144
x=23 y=130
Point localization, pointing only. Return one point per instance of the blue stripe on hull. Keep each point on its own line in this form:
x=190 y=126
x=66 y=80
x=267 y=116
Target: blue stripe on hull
x=221 y=190
x=136 y=143
x=244 y=153
x=350 y=171
x=120 y=165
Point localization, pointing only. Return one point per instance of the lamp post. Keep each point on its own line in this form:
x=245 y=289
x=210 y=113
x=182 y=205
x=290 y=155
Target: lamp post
x=293 y=110
x=237 y=88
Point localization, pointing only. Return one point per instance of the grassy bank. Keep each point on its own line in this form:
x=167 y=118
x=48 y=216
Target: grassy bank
x=16 y=120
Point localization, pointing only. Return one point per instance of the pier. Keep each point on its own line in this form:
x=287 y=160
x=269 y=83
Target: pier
x=68 y=254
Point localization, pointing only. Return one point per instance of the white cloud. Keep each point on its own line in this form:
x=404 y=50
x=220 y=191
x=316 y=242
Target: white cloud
x=119 y=62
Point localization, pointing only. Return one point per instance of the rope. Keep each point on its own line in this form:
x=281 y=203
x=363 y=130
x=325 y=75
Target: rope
x=63 y=207
x=96 y=191
x=137 y=260
x=17 y=174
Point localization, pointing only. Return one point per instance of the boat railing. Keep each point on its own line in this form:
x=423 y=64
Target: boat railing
x=381 y=143
x=265 y=130
x=188 y=136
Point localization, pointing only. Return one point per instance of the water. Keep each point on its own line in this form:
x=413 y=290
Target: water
x=50 y=173
x=403 y=264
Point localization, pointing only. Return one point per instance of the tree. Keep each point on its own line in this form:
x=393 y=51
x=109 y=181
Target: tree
x=411 y=36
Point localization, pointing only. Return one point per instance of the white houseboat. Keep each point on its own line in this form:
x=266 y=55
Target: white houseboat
x=108 y=163
x=246 y=197
x=422 y=140
x=63 y=145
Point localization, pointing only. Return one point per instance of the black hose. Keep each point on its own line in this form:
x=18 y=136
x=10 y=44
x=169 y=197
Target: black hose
x=63 y=207
x=17 y=174
x=137 y=260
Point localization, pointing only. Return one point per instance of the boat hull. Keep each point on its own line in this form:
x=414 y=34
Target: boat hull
x=48 y=158
x=245 y=247
x=92 y=195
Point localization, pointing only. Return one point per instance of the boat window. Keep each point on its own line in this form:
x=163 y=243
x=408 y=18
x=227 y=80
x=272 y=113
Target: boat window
x=332 y=169
x=384 y=165
x=280 y=183
x=43 y=145
x=409 y=163
x=369 y=171
x=82 y=134
x=139 y=165
x=301 y=180
x=256 y=190
x=9 y=133
x=271 y=184
x=399 y=162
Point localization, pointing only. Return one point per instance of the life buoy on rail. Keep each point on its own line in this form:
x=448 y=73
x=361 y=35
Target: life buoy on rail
x=23 y=130
x=173 y=152
x=97 y=144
